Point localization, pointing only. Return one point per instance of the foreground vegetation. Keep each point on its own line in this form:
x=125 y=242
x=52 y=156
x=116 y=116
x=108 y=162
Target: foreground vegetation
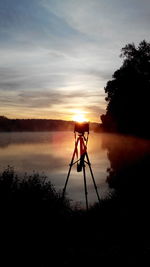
x=39 y=228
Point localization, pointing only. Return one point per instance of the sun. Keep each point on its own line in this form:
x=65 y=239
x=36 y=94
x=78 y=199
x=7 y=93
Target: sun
x=79 y=117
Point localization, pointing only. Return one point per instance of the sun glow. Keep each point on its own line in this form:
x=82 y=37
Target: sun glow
x=79 y=117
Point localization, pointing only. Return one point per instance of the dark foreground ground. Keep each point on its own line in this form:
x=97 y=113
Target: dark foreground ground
x=38 y=228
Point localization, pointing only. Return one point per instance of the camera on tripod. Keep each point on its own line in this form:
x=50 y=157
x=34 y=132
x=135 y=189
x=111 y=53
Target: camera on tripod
x=80 y=157
x=81 y=127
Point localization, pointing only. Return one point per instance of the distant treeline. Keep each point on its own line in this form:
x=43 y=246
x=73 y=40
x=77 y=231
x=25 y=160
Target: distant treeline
x=33 y=125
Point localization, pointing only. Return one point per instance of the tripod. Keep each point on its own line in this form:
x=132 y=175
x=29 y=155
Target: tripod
x=81 y=142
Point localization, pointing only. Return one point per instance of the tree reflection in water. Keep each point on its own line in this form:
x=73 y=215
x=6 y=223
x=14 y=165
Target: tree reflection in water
x=129 y=175
x=129 y=165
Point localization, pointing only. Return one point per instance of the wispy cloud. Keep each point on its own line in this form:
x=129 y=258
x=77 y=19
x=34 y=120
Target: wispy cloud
x=57 y=55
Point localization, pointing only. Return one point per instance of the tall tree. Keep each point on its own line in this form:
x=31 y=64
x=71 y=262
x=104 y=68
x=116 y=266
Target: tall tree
x=128 y=93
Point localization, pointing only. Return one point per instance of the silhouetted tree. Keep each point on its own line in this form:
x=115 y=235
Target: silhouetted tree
x=128 y=93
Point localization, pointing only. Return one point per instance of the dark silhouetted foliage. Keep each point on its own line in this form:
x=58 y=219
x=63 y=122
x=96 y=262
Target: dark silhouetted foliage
x=37 y=125
x=38 y=228
x=128 y=93
x=30 y=190
x=32 y=125
x=128 y=175
x=33 y=216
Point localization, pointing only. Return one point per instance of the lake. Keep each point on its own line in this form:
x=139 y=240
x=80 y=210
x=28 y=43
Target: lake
x=50 y=153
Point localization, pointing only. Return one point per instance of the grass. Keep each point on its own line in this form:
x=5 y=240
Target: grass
x=31 y=189
x=39 y=228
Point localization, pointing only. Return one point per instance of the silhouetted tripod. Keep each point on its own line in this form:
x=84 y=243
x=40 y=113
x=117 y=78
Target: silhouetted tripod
x=81 y=143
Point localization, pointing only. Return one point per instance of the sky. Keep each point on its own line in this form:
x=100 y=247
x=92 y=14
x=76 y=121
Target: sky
x=56 y=56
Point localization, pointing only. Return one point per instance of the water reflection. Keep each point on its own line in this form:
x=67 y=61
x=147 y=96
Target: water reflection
x=51 y=152
x=118 y=162
x=129 y=172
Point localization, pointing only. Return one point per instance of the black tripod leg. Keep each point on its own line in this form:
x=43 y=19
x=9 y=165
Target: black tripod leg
x=64 y=189
x=85 y=188
x=71 y=164
x=95 y=186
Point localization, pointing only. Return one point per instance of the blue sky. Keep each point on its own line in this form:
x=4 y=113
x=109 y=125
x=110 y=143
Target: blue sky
x=57 y=55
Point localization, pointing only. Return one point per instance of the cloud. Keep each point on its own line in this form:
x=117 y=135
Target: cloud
x=102 y=19
x=58 y=55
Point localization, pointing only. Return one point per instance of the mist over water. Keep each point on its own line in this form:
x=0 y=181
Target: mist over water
x=50 y=153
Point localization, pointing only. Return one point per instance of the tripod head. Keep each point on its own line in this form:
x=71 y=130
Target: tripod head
x=82 y=130
x=81 y=127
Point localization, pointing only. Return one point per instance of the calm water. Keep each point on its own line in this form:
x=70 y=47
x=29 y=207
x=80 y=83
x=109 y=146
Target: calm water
x=51 y=152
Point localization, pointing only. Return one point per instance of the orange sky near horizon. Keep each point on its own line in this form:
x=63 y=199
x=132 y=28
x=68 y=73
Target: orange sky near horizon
x=71 y=116
x=57 y=56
